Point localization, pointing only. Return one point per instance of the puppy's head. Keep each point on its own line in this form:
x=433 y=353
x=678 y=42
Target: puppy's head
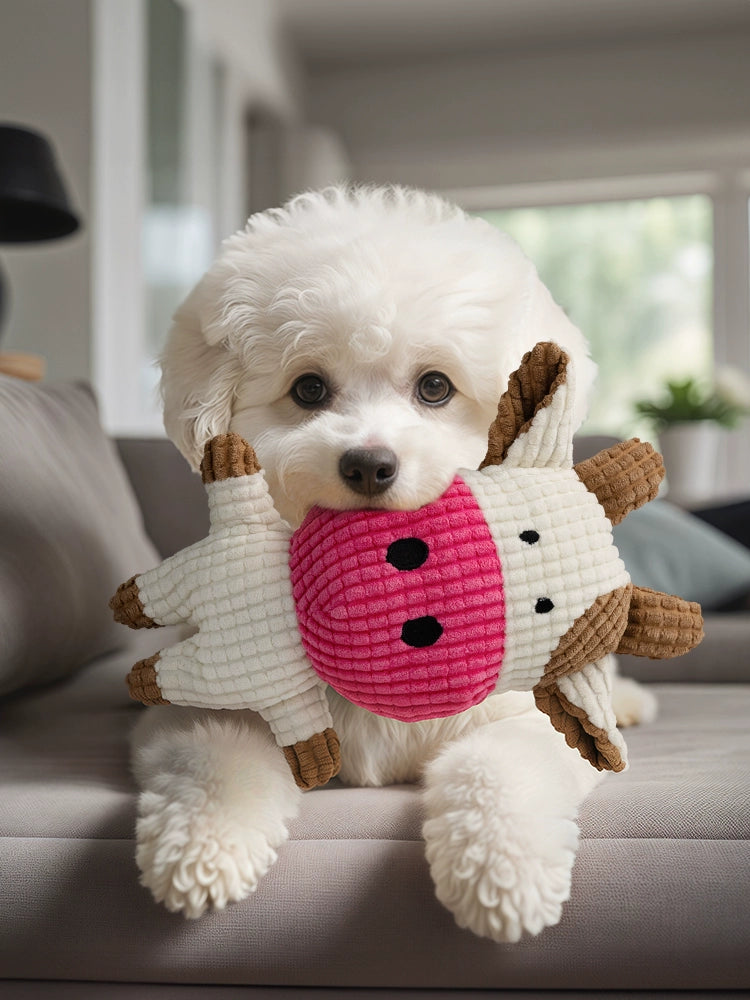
x=360 y=339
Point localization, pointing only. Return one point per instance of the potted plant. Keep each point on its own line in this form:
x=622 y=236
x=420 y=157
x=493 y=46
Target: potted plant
x=689 y=418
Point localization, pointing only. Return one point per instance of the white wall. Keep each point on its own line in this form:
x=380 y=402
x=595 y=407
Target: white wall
x=524 y=115
x=45 y=82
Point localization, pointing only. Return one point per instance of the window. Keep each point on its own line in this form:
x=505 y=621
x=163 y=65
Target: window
x=636 y=277
x=184 y=100
x=168 y=178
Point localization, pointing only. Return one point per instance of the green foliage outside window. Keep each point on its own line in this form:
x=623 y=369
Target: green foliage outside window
x=635 y=276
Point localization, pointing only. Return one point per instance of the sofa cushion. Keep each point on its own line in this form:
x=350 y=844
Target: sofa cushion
x=667 y=548
x=70 y=532
x=660 y=887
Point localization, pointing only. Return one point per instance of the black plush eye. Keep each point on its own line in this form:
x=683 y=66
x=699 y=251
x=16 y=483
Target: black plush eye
x=434 y=388
x=309 y=391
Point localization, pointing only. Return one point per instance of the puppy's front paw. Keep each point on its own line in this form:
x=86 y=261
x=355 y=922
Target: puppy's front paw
x=217 y=797
x=501 y=866
x=633 y=703
x=191 y=860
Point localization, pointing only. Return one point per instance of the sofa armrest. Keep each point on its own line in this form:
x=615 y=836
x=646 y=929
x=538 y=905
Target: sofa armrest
x=171 y=496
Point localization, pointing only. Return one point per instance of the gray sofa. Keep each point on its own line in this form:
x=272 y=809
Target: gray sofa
x=661 y=888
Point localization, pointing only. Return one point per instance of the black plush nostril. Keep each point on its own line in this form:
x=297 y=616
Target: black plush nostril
x=421 y=632
x=368 y=470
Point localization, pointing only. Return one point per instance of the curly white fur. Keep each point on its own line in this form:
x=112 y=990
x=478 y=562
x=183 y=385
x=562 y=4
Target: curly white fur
x=369 y=290
x=501 y=835
x=217 y=797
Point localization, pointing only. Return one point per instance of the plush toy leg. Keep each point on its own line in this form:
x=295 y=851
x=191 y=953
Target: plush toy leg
x=216 y=797
x=501 y=833
x=315 y=761
x=148 y=678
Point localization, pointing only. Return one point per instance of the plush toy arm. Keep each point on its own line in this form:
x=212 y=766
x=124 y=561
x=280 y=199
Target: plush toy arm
x=157 y=597
x=228 y=456
x=660 y=625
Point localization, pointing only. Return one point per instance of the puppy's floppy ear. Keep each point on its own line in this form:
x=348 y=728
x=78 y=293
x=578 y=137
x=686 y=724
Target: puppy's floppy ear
x=200 y=373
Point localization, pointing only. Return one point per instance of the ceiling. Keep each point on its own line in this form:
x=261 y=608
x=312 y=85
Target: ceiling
x=346 y=31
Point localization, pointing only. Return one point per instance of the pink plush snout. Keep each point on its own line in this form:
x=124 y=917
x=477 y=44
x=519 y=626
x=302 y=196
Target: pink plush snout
x=402 y=612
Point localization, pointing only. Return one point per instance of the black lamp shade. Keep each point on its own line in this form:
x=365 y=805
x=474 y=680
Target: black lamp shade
x=33 y=202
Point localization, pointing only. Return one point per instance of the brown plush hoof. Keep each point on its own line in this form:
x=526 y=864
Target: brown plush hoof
x=142 y=682
x=315 y=761
x=127 y=607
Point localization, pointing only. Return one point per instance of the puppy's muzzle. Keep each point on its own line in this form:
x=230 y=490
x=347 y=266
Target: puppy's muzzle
x=368 y=471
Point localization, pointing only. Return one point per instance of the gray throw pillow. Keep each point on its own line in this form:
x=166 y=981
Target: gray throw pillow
x=667 y=548
x=70 y=532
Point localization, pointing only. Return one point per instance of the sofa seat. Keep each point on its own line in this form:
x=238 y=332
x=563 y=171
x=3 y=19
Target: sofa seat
x=661 y=889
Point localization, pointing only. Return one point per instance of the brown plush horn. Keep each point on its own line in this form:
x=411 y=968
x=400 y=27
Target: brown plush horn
x=660 y=625
x=530 y=388
x=623 y=477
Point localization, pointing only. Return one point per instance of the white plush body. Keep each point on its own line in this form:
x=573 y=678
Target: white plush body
x=368 y=290
x=574 y=562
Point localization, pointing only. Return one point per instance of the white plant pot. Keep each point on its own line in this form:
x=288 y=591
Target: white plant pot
x=690 y=452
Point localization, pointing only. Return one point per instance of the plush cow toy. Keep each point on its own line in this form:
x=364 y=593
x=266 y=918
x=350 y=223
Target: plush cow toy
x=509 y=581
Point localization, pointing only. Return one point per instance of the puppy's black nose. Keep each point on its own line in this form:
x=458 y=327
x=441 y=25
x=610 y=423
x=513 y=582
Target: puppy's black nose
x=368 y=470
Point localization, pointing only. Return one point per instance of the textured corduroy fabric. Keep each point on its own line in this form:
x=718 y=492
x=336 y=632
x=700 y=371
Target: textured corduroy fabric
x=402 y=612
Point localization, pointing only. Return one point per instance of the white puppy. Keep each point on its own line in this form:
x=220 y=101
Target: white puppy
x=360 y=340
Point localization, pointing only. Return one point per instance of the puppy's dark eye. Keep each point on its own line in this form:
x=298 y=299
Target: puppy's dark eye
x=309 y=391
x=434 y=388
